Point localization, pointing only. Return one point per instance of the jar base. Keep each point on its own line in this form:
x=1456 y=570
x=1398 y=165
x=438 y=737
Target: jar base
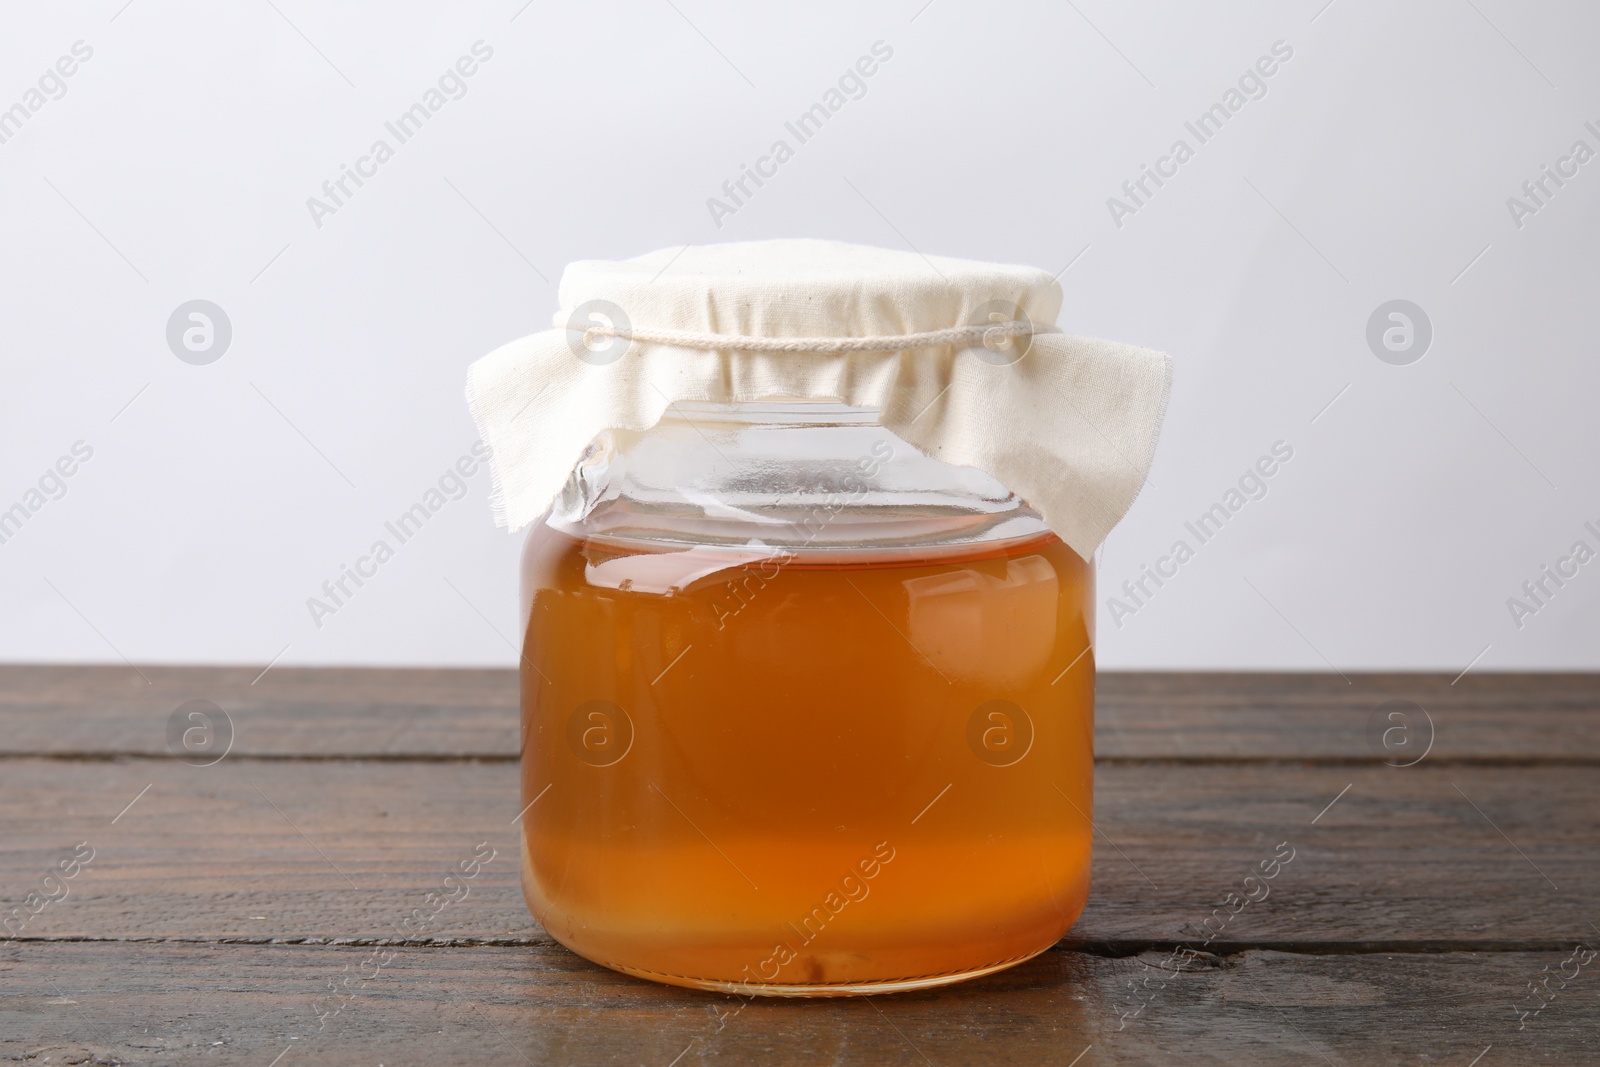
x=826 y=989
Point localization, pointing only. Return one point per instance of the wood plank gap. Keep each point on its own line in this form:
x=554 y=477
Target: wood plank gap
x=1510 y=762
x=1108 y=949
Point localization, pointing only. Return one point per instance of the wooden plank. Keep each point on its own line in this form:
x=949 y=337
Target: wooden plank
x=318 y=713
x=331 y=713
x=172 y=1003
x=1478 y=717
x=264 y=849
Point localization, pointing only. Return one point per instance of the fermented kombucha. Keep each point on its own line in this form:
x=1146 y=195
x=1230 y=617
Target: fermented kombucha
x=806 y=771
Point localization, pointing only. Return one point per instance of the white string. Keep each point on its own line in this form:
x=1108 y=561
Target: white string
x=994 y=336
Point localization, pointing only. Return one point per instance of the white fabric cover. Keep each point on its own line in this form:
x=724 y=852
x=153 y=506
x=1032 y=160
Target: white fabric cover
x=1071 y=426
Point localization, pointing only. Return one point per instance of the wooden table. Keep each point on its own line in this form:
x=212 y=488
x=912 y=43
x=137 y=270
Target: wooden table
x=223 y=903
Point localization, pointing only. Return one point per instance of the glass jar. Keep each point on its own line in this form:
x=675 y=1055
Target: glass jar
x=805 y=711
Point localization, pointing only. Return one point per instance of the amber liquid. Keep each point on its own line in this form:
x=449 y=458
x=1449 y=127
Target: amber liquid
x=820 y=774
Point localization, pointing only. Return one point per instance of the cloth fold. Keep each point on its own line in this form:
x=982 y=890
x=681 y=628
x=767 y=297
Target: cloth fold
x=1068 y=423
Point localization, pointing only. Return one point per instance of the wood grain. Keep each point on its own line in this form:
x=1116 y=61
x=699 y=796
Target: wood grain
x=222 y=901
x=1479 y=718
x=336 y=713
x=286 y=712
x=266 y=849
x=172 y=1003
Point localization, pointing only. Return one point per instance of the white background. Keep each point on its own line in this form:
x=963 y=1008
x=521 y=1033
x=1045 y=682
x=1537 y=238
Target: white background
x=178 y=164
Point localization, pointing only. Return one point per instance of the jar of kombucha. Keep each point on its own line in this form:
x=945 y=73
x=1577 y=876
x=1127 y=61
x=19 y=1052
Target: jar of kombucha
x=805 y=711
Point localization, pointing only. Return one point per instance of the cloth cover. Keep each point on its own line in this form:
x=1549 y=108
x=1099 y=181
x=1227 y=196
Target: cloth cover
x=1070 y=426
